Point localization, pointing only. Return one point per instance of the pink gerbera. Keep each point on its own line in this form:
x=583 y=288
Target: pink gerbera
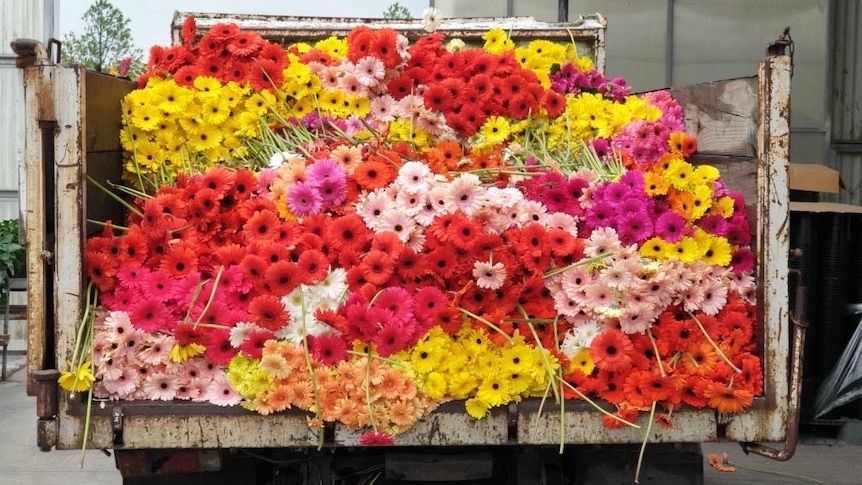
x=222 y=393
x=160 y=386
x=150 y=315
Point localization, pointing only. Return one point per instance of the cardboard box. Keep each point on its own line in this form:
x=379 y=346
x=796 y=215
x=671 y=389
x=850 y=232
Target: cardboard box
x=819 y=207
x=814 y=178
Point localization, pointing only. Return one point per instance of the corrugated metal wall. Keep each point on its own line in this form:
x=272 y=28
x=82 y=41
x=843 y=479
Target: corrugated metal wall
x=18 y=18
x=847 y=99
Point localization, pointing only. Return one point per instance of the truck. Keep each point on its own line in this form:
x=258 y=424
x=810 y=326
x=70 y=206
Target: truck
x=73 y=134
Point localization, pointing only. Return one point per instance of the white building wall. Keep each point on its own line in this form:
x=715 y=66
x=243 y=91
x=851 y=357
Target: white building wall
x=28 y=19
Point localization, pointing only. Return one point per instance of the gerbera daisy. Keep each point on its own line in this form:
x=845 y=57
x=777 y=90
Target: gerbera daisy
x=268 y=312
x=160 y=386
x=282 y=277
x=727 y=399
x=329 y=349
x=611 y=351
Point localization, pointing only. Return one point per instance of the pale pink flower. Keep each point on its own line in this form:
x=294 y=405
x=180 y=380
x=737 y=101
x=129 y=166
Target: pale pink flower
x=329 y=76
x=618 y=276
x=489 y=276
x=636 y=317
x=565 y=305
x=372 y=206
x=221 y=392
x=599 y=295
x=503 y=198
x=465 y=194
x=414 y=177
x=160 y=386
x=369 y=71
x=740 y=282
x=714 y=296
x=416 y=240
x=561 y=220
x=427 y=212
x=410 y=202
x=575 y=279
x=602 y=240
x=398 y=221
x=156 y=349
x=692 y=298
x=124 y=385
x=188 y=391
x=383 y=108
x=530 y=211
x=350 y=84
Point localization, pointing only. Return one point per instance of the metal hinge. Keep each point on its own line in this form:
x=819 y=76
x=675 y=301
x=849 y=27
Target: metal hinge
x=117 y=424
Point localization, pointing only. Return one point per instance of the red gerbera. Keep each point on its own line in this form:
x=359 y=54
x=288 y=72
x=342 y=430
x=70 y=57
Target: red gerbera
x=347 y=232
x=189 y=30
x=611 y=351
x=391 y=339
x=383 y=47
x=150 y=315
x=313 y=266
x=186 y=75
x=609 y=386
x=254 y=268
x=554 y=103
x=359 y=43
x=219 y=351
x=268 y=312
x=328 y=349
x=376 y=438
x=188 y=333
x=282 y=277
x=377 y=267
x=245 y=44
x=270 y=251
x=373 y=174
x=180 y=260
x=252 y=346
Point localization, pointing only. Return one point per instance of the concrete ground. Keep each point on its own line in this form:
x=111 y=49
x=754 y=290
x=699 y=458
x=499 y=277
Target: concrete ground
x=826 y=460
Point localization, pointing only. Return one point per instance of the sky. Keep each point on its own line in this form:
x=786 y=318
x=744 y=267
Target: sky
x=150 y=20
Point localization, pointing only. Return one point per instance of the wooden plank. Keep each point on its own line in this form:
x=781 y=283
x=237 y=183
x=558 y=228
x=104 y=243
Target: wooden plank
x=722 y=115
x=103 y=113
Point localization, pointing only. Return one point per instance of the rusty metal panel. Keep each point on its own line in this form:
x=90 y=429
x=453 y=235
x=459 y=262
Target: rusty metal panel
x=448 y=425
x=587 y=32
x=581 y=425
x=769 y=423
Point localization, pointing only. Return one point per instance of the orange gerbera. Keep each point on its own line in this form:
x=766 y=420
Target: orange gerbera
x=611 y=351
x=373 y=174
x=727 y=399
x=268 y=312
x=377 y=267
x=282 y=277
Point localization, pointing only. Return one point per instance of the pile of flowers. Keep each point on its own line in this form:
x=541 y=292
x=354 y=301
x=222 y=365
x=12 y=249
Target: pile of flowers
x=365 y=228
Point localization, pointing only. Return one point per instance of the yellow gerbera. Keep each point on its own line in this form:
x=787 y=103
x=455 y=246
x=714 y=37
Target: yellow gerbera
x=476 y=408
x=582 y=361
x=146 y=117
x=78 y=379
x=718 y=251
x=494 y=390
x=497 y=42
x=495 y=129
x=334 y=46
x=679 y=173
x=686 y=250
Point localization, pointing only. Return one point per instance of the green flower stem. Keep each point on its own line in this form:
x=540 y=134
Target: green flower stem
x=597 y=407
x=89 y=304
x=714 y=345
x=90 y=335
x=645 y=441
x=487 y=323
x=310 y=368
x=129 y=207
x=655 y=351
x=368 y=391
x=794 y=476
x=105 y=224
x=547 y=362
x=212 y=296
x=594 y=259
x=128 y=190
x=382 y=359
